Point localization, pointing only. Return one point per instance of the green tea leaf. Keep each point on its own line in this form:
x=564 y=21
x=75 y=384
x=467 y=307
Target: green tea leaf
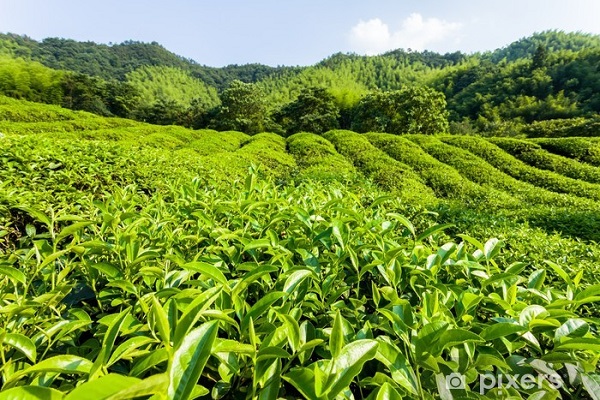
x=348 y=364
x=13 y=273
x=31 y=393
x=189 y=360
x=303 y=379
x=501 y=329
x=260 y=307
x=295 y=279
x=591 y=383
x=71 y=229
x=192 y=313
x=336 y=338
x=108 y=342
x=148 y=361
x=454 y=337
x=572 y=328
x=161 y=322
x=206 y=269
x=492 y=248
x=432 y=231
x=591 y=344
x=559 y=271
x=402 y=372
x=63 y=364
x=153 y=385
x=21 y=343
x=387 y=392
x=102 y=388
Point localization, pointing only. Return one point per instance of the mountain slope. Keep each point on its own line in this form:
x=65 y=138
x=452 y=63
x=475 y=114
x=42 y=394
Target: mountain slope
x=550 y=75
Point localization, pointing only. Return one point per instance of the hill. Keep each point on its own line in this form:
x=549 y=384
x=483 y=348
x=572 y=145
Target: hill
x=138 y=260
x=550 y=76
x=115 y=61
x=552 y=41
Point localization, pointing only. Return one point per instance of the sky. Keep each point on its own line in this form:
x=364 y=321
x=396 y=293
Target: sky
x=302 y=32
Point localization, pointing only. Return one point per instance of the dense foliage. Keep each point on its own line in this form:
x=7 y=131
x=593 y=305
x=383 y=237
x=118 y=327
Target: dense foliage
x=243 y=108
x=550 y=79
x=406 y=111
x=148 y=261
x=315 y=110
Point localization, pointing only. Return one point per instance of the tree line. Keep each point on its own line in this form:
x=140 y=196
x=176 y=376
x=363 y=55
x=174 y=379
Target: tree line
x=550 y=76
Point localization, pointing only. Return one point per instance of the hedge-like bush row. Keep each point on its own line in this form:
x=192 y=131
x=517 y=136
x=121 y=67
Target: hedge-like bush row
x=81 y=124
x=209 y=142
x=386 y=172
x=519 y=170
x=26 y=111
x=477 y=170
x=585 y=150
x=317 y=158
x=60 y=170
x=268 y=150
x=534 y=155
x=558 y=128
x=443 y=179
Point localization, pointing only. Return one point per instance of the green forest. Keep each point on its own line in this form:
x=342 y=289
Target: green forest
x=369 y=227
x=513 y=91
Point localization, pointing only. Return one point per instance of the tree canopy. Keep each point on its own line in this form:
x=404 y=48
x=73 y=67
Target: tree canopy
x=548 y=76
x=314 y=110
x=406 y=111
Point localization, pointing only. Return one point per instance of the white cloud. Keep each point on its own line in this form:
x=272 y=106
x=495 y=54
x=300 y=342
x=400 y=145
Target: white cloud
x=417 y=33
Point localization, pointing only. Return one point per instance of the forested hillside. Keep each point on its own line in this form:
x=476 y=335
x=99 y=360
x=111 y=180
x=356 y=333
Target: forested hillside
x=551 y=76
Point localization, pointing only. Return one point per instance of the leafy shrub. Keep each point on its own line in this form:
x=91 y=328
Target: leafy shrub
x=534 y=155
x=518 y=169
x=24 y=128
x=161 y=141
x=477 y=170
x=25 y=111
x=442 y=178
x=235 y=289
x=382 y=169
x=318 y=159
x=130 y=267
x=580 y=149
x=210 y=142
x=269 y=150
x=556 y=128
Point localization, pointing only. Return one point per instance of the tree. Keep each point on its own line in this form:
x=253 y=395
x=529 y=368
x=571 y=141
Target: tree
x=314 y=110
x=539 y=57
x=164 y=111
x=243 y=108
x=409 y=110
x=84 y=92
x=123 y=98
x=197 y=115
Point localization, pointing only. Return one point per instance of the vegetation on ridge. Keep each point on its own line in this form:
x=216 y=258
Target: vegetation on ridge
x=284 y=256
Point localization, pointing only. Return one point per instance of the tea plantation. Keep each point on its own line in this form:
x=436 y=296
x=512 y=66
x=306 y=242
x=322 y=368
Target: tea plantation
x=141 y=261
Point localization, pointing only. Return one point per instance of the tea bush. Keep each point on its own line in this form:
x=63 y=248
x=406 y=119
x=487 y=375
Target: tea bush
x=381 y=168
x=254 y=290
x=534 y=155
x=580 y=149
x=139 y=261
x=442 y=178
x=518 y=169
x=317 y=158
x=478 y=170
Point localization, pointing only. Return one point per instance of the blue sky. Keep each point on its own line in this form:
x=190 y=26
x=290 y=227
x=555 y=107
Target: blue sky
x=283 y=32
